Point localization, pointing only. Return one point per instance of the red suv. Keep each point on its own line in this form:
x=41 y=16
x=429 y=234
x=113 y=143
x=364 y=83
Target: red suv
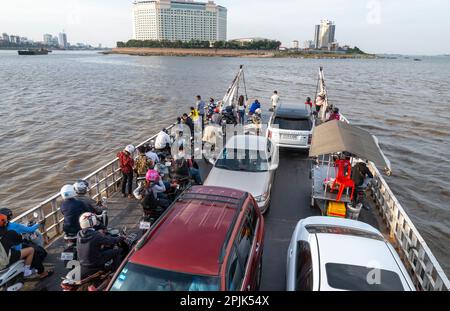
x=210 y=239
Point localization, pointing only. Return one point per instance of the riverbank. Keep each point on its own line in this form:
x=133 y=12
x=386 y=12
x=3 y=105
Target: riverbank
x=231 y=53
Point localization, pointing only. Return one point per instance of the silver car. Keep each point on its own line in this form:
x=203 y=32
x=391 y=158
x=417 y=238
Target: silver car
x=291 y=127
x=247 y=163
x=335 y=254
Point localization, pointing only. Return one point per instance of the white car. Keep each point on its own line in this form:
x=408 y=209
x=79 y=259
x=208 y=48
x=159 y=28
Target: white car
x=334 y=254
x=291 y=126
x=247 y=163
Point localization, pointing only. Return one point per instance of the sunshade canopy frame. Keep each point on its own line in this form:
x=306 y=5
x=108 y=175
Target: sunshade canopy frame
x=337 y=136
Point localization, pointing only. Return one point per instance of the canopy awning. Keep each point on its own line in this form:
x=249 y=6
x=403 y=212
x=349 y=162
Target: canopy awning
x=336 y=136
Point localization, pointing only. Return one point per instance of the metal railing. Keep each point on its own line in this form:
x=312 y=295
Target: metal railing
x=103 y=182
x=426 y=271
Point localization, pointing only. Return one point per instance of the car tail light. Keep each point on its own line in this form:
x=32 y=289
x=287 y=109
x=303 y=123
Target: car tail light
x=269 y=133
x=309 y=139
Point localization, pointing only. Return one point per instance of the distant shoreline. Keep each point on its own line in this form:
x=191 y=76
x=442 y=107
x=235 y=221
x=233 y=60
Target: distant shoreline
x=230 y=53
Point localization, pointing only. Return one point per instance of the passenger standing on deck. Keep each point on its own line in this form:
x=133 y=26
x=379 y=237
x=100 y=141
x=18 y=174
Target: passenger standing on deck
x=126 y=167
x=241 y=109
x=201 y=106
x=195 y=114
x=309 y=103
x=320 y=101
x=275 y=99
x=188 y=121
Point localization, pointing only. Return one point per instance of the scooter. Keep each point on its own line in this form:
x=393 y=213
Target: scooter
x=79 y=279
x=11 y=278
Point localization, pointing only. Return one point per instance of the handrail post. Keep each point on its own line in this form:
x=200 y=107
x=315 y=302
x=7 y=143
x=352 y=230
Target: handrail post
x=55 y=218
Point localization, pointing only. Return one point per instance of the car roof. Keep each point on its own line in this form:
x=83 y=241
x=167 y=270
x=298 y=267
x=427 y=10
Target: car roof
x=354 y=250
x=292 y=110
x=247 y=142
x=192 y=236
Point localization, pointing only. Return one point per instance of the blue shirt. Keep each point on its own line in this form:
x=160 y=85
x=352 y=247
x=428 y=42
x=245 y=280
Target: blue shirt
x=201 y=107
x=254 y=107
x=20 y=229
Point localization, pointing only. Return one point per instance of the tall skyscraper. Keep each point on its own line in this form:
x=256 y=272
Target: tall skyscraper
x=5 y=37
x=63 y=41
x=182 y=20
x=48 y=39
x=324 y=34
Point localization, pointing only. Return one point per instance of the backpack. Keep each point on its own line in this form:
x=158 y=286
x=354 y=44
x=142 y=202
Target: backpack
x=149 y=201
x=142 y=165
x=4 y=256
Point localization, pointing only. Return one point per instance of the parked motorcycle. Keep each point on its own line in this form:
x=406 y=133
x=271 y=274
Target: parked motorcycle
x=79 y=279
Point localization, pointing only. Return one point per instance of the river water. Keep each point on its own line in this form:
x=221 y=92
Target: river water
x=66 y=114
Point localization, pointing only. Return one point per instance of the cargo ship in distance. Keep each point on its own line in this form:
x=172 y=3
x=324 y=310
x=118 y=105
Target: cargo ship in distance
x=34 y=52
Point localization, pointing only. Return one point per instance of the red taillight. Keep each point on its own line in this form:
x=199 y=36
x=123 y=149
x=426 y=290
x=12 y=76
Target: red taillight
x=309 y=139
x=269 y=134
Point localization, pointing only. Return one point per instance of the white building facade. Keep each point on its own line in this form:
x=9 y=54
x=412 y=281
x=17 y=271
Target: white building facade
x=324 y=34
x=182 y=20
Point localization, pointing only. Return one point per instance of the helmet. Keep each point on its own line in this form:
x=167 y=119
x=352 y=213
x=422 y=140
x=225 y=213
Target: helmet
x=217 y=110
x=3 y=220
x=130 y=149
x=88 y=220
x=258 y=111
x=81 y=187
x=152 y=175
x=7 y=212
x=67 y=192
x=165 y=130
x=336 y=110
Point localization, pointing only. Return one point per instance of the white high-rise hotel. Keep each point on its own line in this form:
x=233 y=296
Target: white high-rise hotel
x=179 y=20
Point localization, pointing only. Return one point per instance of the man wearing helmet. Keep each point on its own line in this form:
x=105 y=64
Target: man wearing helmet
x=94 y=248
x=81 y=188
x=72 y=208
x=126 y=167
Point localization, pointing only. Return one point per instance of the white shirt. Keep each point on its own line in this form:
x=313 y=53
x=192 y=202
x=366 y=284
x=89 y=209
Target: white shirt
x=162 y=140
x=275 y=99
x=152 y=156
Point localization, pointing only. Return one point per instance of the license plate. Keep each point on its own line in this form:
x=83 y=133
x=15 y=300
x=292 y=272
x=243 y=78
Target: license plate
x=67 y=256
x=290 y=137
x=145 y=225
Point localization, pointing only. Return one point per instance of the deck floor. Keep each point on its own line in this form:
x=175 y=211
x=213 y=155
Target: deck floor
x=290 y=202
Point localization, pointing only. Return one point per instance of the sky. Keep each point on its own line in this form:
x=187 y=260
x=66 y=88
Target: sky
x=376 y=26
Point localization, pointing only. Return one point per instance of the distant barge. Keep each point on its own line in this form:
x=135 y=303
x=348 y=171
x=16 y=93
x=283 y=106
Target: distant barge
x=34 y=52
